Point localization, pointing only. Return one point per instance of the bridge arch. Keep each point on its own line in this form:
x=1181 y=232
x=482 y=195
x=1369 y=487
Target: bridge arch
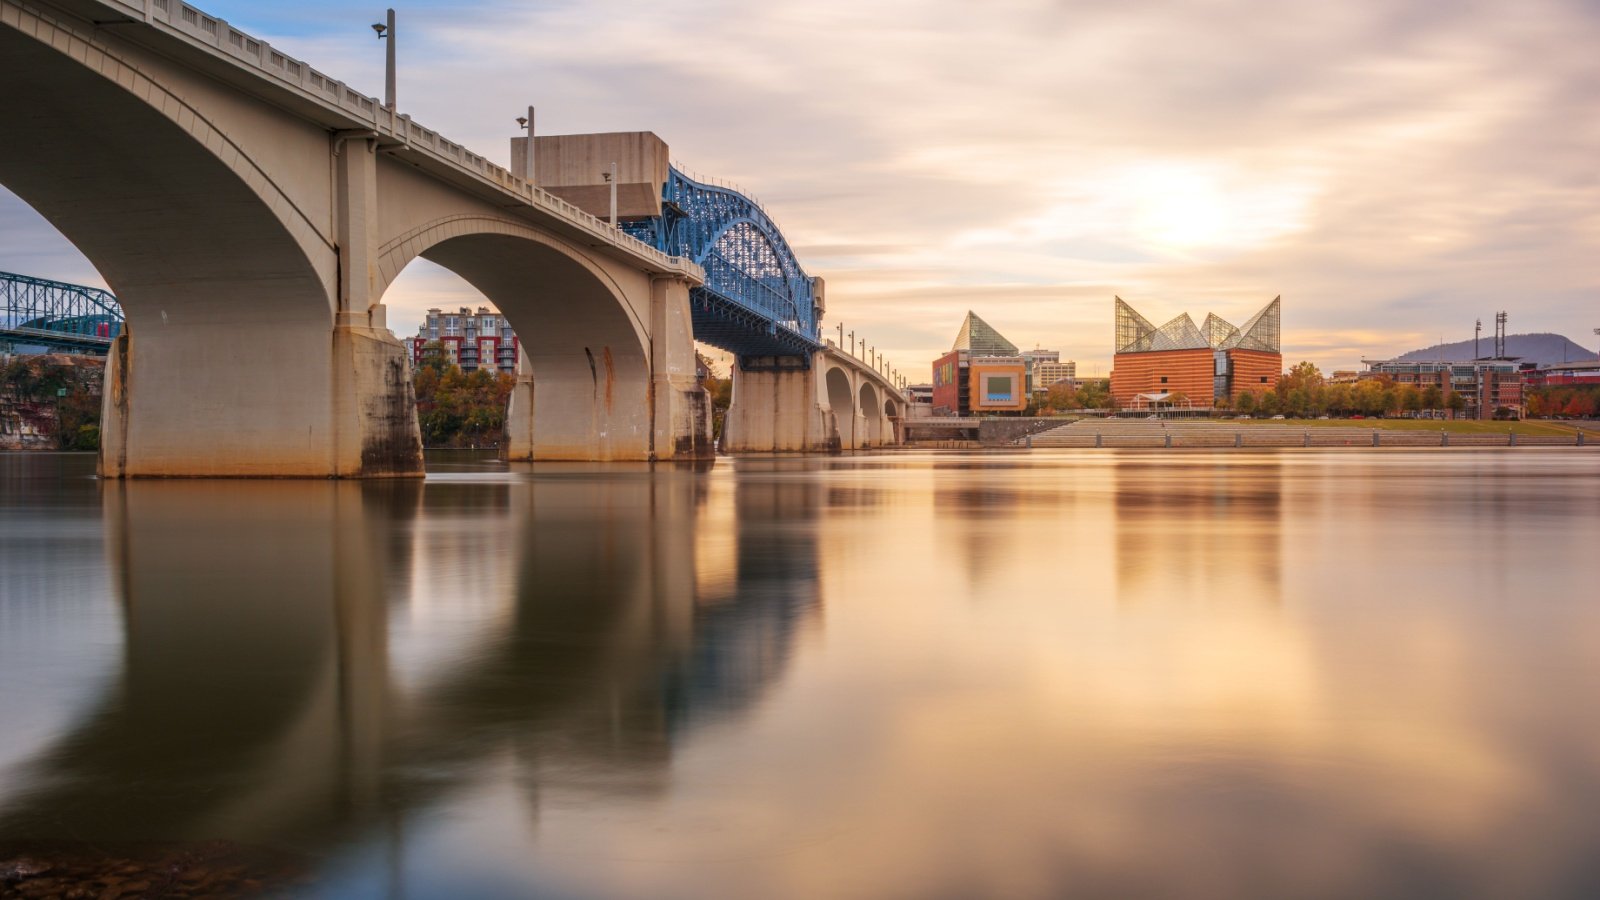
x=72 y=96
x=843 y=402
x=871 y=410
x=228 y=287
x=756 y=300
x=746 y=249
x=396 y=253
x=584 y=372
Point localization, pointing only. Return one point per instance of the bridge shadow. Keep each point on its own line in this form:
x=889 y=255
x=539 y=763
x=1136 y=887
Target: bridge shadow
x=270 y=693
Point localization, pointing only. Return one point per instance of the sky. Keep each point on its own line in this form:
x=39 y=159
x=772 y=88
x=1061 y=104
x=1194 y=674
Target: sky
x=1393 y=170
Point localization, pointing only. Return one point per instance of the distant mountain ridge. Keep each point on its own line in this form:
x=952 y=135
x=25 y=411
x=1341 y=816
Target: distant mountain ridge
x=1543 y=348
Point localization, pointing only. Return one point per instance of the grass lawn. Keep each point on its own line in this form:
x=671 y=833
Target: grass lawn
x=1458 y=426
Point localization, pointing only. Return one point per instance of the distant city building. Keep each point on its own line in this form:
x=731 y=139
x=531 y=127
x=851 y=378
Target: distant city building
x=1046 y=370
x=1048 y=375
x=1201 y=364
x=997 y=384
x=1573 y=373
x=982 y=373
x=1486 y=385
x=471 y=340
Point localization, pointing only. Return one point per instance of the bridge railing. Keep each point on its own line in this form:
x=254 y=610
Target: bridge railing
x=276 y=66
x=884 y=372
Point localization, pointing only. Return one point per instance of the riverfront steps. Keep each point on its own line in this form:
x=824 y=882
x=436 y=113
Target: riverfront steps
x=1180 y=434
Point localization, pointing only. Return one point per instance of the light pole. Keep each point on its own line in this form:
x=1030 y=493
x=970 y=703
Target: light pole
x=387 y=31
x=611 y=179
x=526 y=124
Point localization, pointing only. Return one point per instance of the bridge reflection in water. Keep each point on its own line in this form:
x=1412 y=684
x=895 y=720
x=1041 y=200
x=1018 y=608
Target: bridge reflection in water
x=311 y=665
x=1255 y=675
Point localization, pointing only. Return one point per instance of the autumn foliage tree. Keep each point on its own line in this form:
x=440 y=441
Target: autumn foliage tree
x=60 y=393
x=460 y=409
x=720 y=390
x=1569 y=400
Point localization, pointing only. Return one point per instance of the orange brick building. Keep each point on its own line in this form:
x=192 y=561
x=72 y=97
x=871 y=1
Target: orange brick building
x=1205 y=364
x=1255 y=371
x=1186 y=372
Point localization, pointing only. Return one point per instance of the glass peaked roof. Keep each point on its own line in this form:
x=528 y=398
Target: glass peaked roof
x=978 y=338
x=1136 y=334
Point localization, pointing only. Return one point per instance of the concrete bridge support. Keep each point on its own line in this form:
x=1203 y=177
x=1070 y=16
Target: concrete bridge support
x=574 y=400
x=780 y=405
x=247 y=374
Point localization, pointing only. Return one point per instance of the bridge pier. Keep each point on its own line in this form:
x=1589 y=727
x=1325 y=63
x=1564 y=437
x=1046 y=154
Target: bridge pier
x=606 y=403
x=241 y=357
x=517 y=444
x=778 y=407
x=681 y=407
x=201 y=402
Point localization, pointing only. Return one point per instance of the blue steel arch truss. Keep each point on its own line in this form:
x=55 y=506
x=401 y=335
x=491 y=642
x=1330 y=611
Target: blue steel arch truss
x=56 y=315
x=756 y=301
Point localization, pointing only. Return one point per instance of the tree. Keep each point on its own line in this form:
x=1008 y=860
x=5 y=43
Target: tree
x=719 y=389
x=60 y=394
x=1409 y=398
x=1302 y=376
x=1095 y=394
x=457 y=409
x=1337 y=399
x=1432 y=397
x=1368 y=397
x=1298 y=403
x=1245 y=403
x=1456 y=403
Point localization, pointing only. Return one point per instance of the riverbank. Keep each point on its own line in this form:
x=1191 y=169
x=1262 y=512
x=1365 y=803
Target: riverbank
x=1310 y=433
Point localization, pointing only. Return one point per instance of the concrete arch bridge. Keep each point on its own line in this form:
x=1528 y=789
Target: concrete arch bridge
x=249 y=213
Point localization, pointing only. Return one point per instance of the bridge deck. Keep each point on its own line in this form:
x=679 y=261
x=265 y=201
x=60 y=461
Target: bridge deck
x=253 y=65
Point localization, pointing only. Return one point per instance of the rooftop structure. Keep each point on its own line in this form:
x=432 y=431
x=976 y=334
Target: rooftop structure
x=1136 y=334
x=978 y=338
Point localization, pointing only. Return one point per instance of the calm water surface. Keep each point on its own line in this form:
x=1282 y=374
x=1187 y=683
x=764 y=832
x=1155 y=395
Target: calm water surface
x=1231 y=675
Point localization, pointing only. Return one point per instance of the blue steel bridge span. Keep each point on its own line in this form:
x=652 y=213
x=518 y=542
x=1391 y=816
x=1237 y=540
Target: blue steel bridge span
x=756 y=300
x=56 y=315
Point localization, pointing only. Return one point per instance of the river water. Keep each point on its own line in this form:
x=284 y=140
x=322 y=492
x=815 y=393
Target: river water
x=1096 y=674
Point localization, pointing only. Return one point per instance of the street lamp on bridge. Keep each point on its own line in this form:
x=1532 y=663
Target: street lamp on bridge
x=526 y=124
x=386 y=30
x=611 y=178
